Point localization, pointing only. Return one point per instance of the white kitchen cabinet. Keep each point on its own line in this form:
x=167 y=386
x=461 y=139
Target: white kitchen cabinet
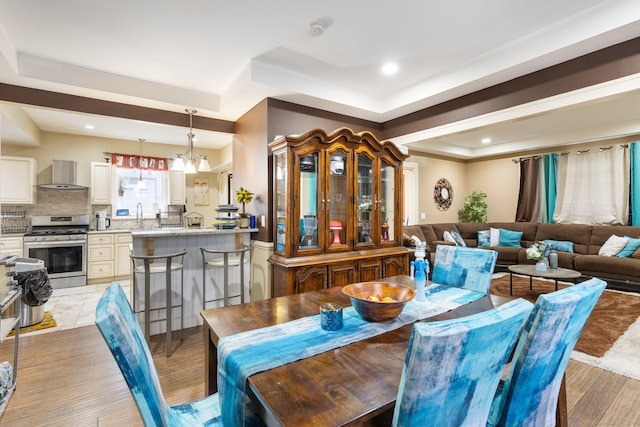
x=11 y=246
x=177 y=188
x=122 y=249
x=100 y=270
x=17 y=180
x=100 y=183
x=100 y=263
x=108 y=256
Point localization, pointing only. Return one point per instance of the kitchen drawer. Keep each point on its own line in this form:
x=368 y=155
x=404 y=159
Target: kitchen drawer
x=101 y=253
x=124 y=238
x=10 y=244
x=100 y=269
x=101 y=239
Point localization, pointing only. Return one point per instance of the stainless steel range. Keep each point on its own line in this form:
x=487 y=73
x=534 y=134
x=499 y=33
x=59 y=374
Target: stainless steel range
x=61 y=242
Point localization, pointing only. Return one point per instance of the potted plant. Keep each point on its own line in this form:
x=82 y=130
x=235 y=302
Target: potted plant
x=122 y=182
x=475 y=208
x=244 y=196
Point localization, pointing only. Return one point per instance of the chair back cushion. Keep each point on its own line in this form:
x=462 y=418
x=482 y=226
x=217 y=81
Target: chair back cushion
x=453 y=367
x=468 y=268
x=119 y=327
x=530 y=393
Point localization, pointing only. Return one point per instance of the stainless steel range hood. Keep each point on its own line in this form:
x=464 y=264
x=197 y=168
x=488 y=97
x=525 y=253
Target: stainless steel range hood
x=63 y=176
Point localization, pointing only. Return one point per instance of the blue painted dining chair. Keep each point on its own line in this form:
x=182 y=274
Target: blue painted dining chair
x=120 y=329
x=453 y=367
x=528 y=396
x=463 y=267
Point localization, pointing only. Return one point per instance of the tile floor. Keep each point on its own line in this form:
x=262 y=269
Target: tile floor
x=76 y=307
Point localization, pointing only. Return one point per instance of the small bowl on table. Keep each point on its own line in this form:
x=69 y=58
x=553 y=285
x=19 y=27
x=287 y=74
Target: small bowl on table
x=392 y=298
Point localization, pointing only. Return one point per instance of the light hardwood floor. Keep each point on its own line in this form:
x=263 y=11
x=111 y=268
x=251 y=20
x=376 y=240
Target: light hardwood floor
x=69 y=378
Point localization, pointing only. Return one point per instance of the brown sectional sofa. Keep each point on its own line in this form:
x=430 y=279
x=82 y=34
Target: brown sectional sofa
x=620 y=273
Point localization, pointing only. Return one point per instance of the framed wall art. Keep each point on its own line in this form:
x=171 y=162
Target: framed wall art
x=443 y=194
x=201 y=190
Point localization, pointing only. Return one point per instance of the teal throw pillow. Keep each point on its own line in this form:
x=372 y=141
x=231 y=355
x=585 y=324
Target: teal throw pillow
x=484 y=238
x=559 y=245
x=630 y=247
x=510 y=238
x=458 y=238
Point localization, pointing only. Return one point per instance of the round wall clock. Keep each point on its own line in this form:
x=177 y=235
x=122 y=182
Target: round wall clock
x=443 y=194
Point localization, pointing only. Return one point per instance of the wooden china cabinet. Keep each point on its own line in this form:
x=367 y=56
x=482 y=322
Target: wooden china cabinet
x=337 y=211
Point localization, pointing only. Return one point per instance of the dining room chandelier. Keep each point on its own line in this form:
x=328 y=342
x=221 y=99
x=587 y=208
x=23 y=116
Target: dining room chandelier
x=186 y=162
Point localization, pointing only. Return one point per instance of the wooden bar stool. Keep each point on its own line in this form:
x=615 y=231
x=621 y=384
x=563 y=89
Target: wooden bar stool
x=155 y=264
x=230 y=258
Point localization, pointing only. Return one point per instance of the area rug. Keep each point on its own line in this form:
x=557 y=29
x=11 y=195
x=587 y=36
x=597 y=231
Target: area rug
x=611 y=337
x=47 y=322
x=611 y=317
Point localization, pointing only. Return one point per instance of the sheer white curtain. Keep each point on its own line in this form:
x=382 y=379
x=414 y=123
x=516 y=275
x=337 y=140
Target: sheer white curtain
x=593 y=188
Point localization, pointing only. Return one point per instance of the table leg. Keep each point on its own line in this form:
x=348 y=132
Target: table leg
x=210 y=364
x=556 y=284
x=530 y=283
x=510 y=283
x=562 y=419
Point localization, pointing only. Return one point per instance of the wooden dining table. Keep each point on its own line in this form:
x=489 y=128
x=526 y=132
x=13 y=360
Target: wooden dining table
x=352 y=385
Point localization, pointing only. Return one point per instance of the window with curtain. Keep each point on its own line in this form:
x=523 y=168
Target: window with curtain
x=599 y=186
x=593 y=188
x=128 y=191
x=140 y=182
x=537 y=195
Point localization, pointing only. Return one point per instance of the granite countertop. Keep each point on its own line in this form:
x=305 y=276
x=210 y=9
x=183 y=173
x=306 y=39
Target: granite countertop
x=109 y=231
x=182 y=231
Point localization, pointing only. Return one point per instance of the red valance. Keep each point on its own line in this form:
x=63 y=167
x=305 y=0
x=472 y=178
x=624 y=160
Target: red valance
x=139 y=162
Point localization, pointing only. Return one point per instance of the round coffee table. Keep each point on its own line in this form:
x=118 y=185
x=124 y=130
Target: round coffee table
x=530 y=270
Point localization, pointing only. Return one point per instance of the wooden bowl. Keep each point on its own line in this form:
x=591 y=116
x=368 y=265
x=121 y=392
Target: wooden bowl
x=378 y=311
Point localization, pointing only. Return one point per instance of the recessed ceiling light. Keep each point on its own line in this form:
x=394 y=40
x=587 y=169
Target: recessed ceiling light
x=390 y=68
x=486 y=140
x=89 y=127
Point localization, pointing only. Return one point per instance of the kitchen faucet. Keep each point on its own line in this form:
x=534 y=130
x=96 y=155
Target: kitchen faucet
x=139 y=218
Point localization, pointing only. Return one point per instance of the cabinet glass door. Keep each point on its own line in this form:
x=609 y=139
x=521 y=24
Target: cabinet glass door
x=338 y=200
x=308 y=203
x=387 y=199
x=365 y=205
x=281 y=200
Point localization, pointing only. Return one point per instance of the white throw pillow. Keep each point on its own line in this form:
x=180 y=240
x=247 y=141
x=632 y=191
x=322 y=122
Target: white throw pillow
x=447 y=237
x=495 y=237
x=613 y=245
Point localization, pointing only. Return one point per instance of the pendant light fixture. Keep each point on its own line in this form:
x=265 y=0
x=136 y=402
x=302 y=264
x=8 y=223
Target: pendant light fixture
x=141 y=185
x=187 y=162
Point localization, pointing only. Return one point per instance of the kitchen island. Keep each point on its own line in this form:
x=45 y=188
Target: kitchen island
x=172 y=240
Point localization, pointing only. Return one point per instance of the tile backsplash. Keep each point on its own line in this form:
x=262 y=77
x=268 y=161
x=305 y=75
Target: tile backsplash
x=54 y=202
x=61 y=202
x=77 y=202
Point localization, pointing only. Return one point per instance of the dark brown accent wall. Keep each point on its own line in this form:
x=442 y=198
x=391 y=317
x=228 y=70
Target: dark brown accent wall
x=251 y=167
x=63 y=101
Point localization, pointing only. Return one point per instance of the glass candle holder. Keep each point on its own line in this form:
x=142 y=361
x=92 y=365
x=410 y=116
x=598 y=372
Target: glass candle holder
x=331 y=316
